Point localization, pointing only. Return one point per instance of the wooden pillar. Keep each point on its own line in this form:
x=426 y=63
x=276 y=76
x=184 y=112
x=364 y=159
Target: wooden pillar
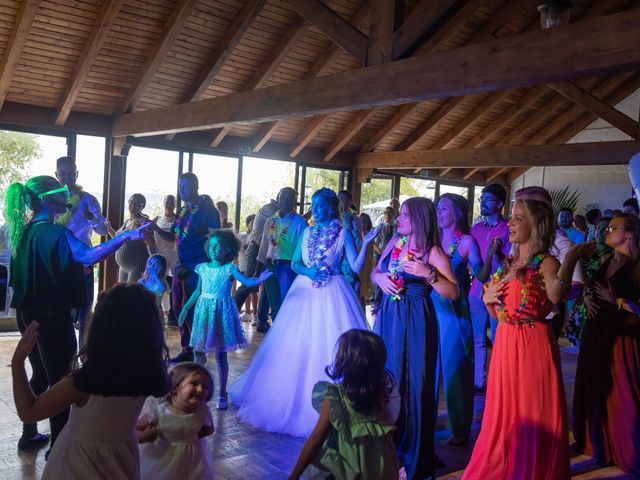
x=115 y=176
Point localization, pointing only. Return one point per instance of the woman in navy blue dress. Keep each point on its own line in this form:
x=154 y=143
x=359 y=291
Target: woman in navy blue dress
x=411 y=266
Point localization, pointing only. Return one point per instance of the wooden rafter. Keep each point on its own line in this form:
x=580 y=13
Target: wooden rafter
x=94 y=43
x=347 y=133
x=319 y=68
x=414 y=138
x=593 y=104
x=307 y=134
x=334 y=26
x=607 y=45
x=263 y=136
x=594 y=153
x=157 y=55
x=470 y=173
x=422 y=18
x=26 y=13
x=495 y=173
x=224 y=49
x=400 y=116
x=381 y=37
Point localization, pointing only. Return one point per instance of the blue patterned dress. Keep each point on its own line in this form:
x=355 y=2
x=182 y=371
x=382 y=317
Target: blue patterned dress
x=216 y=321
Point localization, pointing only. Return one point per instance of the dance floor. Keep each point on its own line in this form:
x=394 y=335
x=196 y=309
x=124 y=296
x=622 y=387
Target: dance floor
x=241 y=452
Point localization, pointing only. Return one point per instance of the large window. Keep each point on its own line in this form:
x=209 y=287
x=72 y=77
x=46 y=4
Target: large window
x=417 y=187
x=218 y=178
x=317 y=178
x=375 y=196
x=261 y=181
x=153 y=173
x=90 y=164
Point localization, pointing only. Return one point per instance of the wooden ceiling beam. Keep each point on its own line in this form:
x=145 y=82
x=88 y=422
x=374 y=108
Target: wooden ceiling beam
x=263 y=136
x=421 y=19
x=27 y=10
x=414 y=138
x=606 y=45
x=224 y=49
x=89 y=53
x=173 y=28
x=594 y=153
x=381 y=37
x=361 y=118
x=593 y=104
x=400 y=116
x=307 y=134
x=470 y=173
x=273 y=61
x=476 y=114
x=333 y=26
x=495 y=173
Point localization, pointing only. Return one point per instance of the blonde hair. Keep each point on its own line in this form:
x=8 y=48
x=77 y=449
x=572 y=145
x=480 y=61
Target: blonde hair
x=543 y=230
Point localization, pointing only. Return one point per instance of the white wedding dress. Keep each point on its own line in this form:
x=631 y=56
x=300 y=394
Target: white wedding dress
x=274 y=393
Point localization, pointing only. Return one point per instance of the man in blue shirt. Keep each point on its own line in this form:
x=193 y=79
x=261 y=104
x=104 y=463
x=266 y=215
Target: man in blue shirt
x=565 y=222
x=192 y=226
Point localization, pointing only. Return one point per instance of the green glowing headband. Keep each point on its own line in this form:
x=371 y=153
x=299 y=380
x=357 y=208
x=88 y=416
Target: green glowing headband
x=62 y=189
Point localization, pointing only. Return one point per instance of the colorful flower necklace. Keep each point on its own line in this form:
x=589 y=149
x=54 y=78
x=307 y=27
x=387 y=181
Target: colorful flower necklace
x=453 y=246
x=182 y=228
x=274 y=237
x=321 y=239
x=396 y=265
x=520 y=316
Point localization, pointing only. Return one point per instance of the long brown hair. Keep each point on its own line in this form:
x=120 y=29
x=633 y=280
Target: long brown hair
x=543 y=230
x=424 y=228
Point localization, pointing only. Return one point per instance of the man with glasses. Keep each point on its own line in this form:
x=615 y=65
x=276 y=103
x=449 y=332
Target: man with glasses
x=493 y=227
x=83 y=217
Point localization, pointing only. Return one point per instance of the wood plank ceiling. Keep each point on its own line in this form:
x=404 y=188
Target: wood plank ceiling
x=110 y=57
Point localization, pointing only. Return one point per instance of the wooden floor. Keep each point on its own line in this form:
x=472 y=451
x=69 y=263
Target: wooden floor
x=241 y=452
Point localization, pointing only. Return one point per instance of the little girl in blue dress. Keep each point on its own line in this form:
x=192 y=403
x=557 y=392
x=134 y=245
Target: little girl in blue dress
x=216 y=320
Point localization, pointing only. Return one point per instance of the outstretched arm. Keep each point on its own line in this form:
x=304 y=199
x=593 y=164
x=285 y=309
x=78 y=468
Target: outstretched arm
x=250 y=281
x=87 y=255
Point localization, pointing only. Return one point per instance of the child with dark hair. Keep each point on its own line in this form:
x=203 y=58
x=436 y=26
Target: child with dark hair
x=172 y=432
x=216 y=320
x=123 y=361
x=353 y=437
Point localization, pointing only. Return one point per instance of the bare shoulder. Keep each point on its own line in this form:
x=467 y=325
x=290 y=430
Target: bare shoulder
x=550 y=264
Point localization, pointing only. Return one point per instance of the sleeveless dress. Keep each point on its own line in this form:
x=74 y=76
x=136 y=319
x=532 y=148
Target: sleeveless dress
x=524 y=432
x=358 y=446
x=274 y=393
x=410 y=332
x=606 y=403
x=216 y=320
x=97 y=443
x=131 y=257
x=456 y=350
x=177 y=453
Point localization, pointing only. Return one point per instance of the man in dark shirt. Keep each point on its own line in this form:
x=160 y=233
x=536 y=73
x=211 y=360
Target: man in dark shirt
x=196 y=220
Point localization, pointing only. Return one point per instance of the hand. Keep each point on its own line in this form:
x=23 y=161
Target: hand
x=138 y=233
x=26 y=343
x=494 y=292
x=317 y=274
x=494 y=247
x=592 y=306
x=148 y=434
x=580 y=250
x=418 y=268
x=264 y=275
x=386 y=284
x=606 y=293
x=373 y=233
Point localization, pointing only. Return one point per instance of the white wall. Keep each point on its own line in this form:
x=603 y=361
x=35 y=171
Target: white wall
x=606 y=186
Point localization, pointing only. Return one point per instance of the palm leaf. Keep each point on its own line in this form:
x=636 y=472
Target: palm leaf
x=564 y=199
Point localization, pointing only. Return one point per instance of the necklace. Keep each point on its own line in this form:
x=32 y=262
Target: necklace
x=455 y=241
x=276 y=237
x=321 y=239
x=521 y=316
x=182 y=227
x=396 y=265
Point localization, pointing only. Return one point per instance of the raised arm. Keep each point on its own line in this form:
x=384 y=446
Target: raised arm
x=557 y=278
x=93 y=214
x=86 y=255
x=250 y=281
x=358 y=259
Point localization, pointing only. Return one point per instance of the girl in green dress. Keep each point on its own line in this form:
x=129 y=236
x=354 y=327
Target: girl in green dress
x=353 y=437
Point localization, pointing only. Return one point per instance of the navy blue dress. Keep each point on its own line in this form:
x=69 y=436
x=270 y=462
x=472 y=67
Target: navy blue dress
x=410 y=332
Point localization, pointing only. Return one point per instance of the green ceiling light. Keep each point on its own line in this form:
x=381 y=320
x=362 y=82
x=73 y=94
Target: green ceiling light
x=554 y=13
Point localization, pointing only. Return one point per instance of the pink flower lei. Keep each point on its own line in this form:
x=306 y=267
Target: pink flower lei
x=320 y=241
x=188 y=212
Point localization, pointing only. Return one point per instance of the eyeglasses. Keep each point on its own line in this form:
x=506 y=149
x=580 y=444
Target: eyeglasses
x=611 y=228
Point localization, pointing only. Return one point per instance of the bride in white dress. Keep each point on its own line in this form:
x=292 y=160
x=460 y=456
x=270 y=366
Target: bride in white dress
x=274 y=393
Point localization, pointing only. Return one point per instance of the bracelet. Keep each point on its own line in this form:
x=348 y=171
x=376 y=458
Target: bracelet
x=620 y=303
x=562 y=282
x=433 y=276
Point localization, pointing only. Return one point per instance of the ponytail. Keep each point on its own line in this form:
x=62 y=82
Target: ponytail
x=16 y=204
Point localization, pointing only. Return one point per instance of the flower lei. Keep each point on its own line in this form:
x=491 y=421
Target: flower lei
x=188 y=212
x=520 y=316
x=274 y=237
x=74 y=200
x=396 y=265
x=453 y=246
x=319 y=243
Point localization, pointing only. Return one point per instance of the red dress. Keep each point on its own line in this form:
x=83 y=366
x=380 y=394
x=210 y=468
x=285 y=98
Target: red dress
x=524 y=432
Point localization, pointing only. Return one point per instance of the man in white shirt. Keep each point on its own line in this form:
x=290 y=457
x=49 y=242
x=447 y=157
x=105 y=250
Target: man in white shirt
x=83 y=217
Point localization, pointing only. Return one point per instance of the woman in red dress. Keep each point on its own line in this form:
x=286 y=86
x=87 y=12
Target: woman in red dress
x=606 y=404
x=524 y=431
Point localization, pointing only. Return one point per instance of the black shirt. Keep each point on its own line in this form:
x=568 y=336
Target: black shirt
x=191 y=250
x=45 y=278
